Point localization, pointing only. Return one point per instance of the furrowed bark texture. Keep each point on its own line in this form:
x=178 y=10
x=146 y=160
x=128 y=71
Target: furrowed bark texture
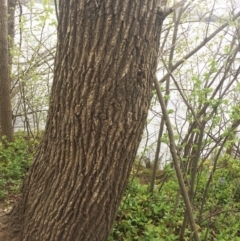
x=5 y=100
x=105 y=62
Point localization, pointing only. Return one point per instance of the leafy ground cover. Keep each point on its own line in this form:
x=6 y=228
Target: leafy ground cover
x=142 y=215
x=15 y=159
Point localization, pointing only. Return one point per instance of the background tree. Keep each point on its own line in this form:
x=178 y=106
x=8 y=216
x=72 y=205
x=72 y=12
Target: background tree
x=33 y=54
x=105 y=64
x=11 y=27
x=5 y=100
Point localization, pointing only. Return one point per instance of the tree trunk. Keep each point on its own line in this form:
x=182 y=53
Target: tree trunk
x=105 y=63
x=11 y=32
x=5 y=99
x=11 y=26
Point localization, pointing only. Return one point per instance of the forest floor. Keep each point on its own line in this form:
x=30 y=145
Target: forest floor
x=3 y=214
x=5 y=208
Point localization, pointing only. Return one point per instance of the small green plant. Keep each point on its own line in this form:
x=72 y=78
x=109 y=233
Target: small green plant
x=15 y=158
x=145 y=216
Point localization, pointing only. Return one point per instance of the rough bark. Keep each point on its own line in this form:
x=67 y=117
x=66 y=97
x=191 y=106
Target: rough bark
x=105 y=63
x=5 y=100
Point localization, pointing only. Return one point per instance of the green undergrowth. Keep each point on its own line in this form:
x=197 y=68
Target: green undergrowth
x=146 y=216
x=15 y=158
